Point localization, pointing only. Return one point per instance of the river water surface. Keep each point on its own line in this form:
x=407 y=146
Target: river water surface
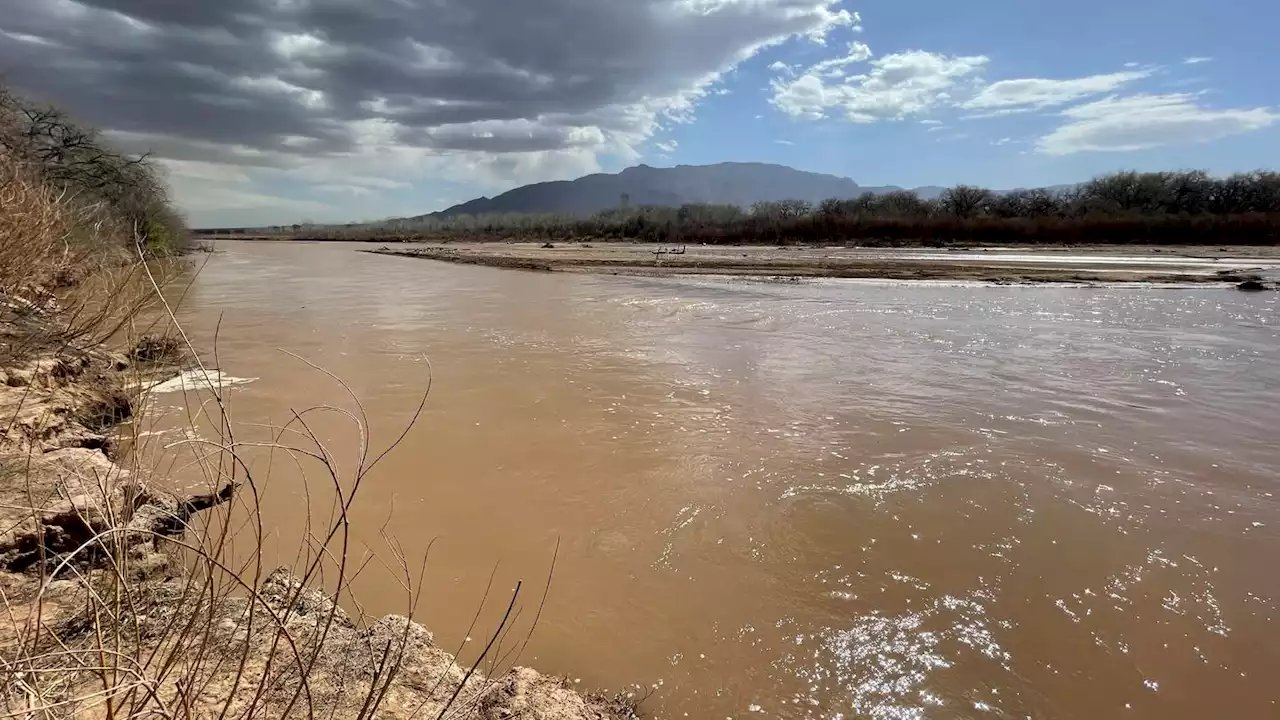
x=815 y=500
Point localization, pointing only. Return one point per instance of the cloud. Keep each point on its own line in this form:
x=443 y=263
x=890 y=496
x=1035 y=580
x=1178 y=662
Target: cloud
x=667 y=147
x=485 y=90
x=1027 y=94
x=339 y=188
x=919 y=83
x=225 y=193
x=896 y=87
x=1142 y=121
x=857 y=52
x=783 y=142
x=1196 y=60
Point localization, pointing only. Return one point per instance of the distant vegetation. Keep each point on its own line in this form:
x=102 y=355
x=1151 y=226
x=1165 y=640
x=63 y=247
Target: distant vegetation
x=1126 y=207
x=726 y=183
x=101 y=196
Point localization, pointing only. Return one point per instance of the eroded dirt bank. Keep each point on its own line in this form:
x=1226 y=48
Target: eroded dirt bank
x=102 y=614
x=1101 y=264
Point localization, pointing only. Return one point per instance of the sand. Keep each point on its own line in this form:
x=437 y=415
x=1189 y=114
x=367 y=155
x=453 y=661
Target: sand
x=1094 y=264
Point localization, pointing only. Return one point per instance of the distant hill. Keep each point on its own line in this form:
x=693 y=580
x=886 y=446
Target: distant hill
x=732 y=183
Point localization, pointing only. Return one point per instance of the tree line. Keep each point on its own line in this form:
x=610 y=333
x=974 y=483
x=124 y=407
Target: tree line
x=1126 y=207
x=113 y=191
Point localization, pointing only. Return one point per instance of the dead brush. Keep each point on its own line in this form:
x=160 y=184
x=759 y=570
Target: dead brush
x=67 y=277
x=36 y=229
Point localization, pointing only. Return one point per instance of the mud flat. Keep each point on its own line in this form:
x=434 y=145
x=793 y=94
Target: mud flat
x=1102 y=264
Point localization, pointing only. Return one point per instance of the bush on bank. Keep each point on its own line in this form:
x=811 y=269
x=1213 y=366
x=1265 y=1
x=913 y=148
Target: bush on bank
x=1172 y=208
x=108 y=198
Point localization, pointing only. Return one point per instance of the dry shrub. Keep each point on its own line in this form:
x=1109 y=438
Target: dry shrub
x=36 y=226
x=126 y=196
x=70 y=275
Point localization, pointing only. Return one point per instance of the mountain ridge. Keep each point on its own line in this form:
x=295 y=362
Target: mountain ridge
x=732 y=183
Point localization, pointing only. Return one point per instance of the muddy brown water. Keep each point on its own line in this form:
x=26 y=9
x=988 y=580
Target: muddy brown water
x=816 y=500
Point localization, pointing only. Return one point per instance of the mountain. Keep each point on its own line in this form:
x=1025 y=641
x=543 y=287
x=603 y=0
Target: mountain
x=724 y=183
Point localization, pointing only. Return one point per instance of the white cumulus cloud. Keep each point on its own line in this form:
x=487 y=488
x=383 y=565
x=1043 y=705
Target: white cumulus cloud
x=1026 y=94
x=1142 y=121
x=896 y=86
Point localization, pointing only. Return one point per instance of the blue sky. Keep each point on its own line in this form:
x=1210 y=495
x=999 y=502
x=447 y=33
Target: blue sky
x=352 y=110
x=1216 y=56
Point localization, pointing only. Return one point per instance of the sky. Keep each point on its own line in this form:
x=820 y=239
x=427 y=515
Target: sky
x=281 y=111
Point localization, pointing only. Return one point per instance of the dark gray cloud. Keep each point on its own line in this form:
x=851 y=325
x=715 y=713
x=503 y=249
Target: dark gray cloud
x=305 y=77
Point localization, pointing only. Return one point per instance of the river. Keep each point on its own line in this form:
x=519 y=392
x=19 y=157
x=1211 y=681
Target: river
x=802 y=500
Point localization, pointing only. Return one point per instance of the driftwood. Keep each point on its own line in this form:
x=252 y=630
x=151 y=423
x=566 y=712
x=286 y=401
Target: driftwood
x=657 y=254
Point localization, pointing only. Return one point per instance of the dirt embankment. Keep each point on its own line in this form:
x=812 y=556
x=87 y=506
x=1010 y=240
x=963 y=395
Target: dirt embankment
x=102 y=614
x=1105 y=264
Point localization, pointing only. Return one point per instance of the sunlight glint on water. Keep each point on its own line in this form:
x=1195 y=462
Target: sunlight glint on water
x=826 y=500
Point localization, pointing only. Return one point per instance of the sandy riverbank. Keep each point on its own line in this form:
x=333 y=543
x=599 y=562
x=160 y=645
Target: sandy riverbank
x=1093 y=264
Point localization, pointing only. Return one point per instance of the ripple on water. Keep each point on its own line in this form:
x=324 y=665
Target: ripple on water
x=878 y=480
x=966 y=501
x=884 y=665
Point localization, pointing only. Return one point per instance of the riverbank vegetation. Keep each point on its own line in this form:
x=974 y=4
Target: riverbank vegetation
x=107 y=200
x=1169 y=208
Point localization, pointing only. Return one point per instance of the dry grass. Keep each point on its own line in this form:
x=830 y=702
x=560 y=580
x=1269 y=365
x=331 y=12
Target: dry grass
x=35 y=231
x=69 y=277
